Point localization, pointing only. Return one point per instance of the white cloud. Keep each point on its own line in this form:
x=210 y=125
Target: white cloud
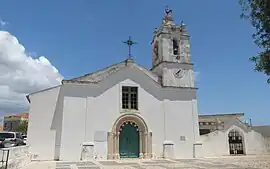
x=20 y=74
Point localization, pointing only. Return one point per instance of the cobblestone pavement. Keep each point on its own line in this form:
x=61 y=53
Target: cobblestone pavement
x=243 y=162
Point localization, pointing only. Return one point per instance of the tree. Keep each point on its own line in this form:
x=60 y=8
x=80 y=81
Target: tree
x=22 y=127
x=258 y=12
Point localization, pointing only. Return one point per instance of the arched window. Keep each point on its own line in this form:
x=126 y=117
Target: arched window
x=156 y=50
x=175 y=47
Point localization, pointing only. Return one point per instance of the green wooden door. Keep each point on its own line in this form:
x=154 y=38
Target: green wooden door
x=129 y=141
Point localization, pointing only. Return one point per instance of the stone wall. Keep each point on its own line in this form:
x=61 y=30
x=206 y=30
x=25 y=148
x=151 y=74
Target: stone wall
x=267 y=144
x=18 y=157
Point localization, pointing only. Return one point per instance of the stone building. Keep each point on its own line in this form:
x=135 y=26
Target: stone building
x=124 y=110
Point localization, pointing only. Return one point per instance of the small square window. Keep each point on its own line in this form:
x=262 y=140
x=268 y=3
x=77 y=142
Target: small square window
x=182 y=138
x=129 y=97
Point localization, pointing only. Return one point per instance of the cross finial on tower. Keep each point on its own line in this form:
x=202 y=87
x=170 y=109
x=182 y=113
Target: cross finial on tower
x=129 y=42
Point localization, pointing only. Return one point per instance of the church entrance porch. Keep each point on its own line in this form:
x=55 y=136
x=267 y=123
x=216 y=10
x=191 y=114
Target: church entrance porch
x=236 y=145
x=130 y=138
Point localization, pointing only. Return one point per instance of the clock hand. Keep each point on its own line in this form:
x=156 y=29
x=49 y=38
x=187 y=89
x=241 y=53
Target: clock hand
x=178 y=72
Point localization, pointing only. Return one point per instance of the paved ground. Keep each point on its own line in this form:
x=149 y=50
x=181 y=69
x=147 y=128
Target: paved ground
x=244 y=162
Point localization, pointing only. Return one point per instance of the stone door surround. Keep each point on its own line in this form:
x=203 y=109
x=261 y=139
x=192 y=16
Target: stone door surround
x=145 y=136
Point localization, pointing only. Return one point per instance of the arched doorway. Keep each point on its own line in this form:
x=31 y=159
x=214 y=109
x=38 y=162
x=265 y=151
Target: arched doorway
x=236 y=142
x=129 y=138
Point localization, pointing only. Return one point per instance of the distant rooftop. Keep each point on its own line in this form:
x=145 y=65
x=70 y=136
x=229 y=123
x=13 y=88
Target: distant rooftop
x=264 y=130
x=21 y=115
x=214 y=116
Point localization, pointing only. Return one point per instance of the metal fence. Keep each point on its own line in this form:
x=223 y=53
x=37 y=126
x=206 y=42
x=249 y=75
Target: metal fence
x=4 y=159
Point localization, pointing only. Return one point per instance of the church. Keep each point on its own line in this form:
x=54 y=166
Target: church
x=128 y=111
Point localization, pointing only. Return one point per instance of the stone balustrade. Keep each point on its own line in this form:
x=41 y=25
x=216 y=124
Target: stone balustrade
x=18 y=157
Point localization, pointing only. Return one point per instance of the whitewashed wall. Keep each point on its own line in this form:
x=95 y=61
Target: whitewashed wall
x=255 y=143
x=73 y=128
x=89 y=109
x=267 y=143
x=40 y=135
x=216 y=143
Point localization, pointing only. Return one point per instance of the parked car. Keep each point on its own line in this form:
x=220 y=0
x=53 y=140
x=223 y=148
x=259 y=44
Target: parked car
x=11 y=139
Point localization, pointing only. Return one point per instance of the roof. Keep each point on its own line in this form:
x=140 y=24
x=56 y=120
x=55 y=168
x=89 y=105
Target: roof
x=21 y=115
x=101 y=74
x=27 y=96
x=264 y=130
x=215 y=116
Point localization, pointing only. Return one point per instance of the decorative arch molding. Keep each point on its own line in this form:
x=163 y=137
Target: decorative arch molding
x=145 y=136
x=238 y=129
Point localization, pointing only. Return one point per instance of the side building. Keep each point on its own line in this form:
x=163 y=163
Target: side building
x=12 y=121
x=228 y=134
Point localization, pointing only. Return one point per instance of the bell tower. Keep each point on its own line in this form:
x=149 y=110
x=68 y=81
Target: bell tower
x=171 y=53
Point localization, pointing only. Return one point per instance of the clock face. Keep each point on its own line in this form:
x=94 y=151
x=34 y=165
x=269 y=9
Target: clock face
x=177 y=58
x=179 y=73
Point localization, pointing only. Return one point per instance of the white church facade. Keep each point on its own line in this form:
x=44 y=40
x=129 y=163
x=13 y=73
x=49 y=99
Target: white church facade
x=127 y=111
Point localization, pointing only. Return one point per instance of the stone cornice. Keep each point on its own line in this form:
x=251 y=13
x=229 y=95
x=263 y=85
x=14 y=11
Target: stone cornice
x=161 y=86
x=169 y=62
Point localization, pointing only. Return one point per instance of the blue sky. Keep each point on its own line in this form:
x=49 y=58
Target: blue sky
x=81 y=36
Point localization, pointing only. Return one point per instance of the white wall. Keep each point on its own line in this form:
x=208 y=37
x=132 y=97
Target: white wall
x=214 y=144
x=255 y=143
x=90 y=108
x=267 y=144
x=40 y=135
x=72 y=128
x=179 y=122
